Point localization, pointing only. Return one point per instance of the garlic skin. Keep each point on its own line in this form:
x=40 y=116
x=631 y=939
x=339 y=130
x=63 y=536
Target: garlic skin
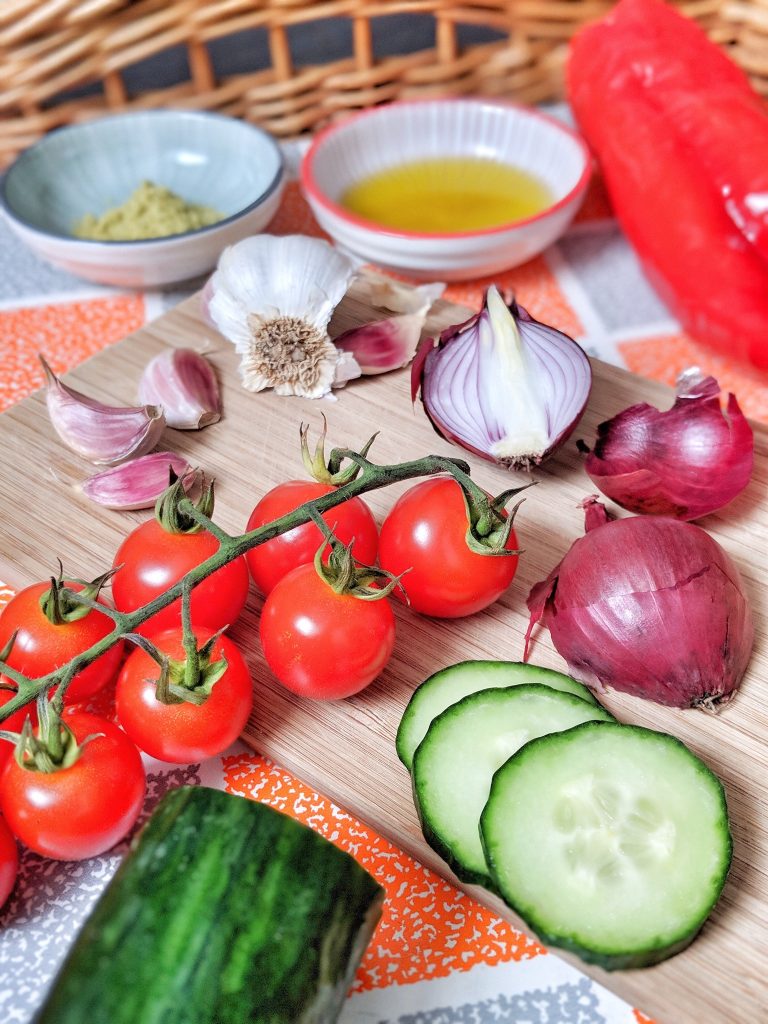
x=105 y=435
x=183 y=384
x=272 y=297
x=389 y=344
x=138 y=483
x=387 y=293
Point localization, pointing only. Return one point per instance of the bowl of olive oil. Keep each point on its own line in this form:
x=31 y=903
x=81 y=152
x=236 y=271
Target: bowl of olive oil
x=446 y=188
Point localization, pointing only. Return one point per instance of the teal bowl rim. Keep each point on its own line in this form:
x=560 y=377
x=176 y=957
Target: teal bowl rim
x=94 y=243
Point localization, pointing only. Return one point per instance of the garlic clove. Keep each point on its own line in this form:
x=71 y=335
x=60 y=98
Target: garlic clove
x=183 y=383
x=272 y=297
x=138 y=483
x=103 y=434
x=391 y=343
x=384 y=344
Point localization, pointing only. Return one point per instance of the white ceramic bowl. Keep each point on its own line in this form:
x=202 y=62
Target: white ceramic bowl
x=387 y=136
x=88 y=168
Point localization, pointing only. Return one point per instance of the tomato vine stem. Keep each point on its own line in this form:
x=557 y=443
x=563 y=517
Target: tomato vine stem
x=371 y=477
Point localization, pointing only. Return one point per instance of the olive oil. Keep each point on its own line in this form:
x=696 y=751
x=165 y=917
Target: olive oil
x=448 y=195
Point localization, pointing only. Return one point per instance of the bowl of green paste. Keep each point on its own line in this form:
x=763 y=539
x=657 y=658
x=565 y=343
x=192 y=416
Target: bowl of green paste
x=143 y=199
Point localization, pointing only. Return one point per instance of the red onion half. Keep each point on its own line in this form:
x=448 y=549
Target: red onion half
x=686 y=462
x=503 y=385
x=649 y=606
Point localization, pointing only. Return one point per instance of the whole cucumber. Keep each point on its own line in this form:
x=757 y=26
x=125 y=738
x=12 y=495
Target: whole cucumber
x=224 y=912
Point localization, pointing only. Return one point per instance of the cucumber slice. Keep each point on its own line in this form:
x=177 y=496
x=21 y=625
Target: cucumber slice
x=610 y=840
x=454 y=764
x=450 y=684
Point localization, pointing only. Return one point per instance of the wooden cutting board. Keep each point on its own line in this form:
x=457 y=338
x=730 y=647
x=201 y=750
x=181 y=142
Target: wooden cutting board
x=345 y=749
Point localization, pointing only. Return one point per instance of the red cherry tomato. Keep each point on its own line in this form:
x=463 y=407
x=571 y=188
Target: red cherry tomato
x=425 y=532
x=153 y=560
x=42 y=646
x=9 y=862
x=81 y=810
x=322 y=644
x=186 y=732
x=352 y=520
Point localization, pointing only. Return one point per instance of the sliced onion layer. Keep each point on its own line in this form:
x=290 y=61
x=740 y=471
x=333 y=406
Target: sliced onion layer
x=503 y=385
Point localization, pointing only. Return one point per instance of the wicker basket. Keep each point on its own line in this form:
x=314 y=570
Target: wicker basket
x=51 y=49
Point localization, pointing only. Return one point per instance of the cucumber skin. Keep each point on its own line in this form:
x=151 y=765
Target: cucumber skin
x=607 y=960
x=446 y=854
x=401 y=740
x=433 y=839
x=177 y=936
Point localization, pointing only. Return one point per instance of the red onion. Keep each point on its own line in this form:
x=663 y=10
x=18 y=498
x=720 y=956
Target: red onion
x=686 y=462
x=503 y=385
x=649 y=606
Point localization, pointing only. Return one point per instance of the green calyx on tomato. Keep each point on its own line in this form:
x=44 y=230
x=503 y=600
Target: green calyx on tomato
x=50 y=748
x=5 y=653
x=489 y=522
x=169 y=513
x=345 y=575
x=328 y=471
x=59 y=604
x=189 y=679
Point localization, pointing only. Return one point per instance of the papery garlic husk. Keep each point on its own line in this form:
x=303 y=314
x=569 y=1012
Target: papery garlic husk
x=138 y=483
x=389 y=344
x=182 y=382
x=387 y=293
x=272 y=297
x=503 y=385
x=686 y=462
x=105 y=435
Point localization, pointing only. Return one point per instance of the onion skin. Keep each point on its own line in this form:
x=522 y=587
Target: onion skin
x=653 y=607
x=686 y=462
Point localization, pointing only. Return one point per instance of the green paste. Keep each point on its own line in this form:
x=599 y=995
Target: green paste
x=152 y=211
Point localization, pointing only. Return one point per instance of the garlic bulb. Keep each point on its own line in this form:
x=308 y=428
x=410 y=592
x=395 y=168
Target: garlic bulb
x=273 y=297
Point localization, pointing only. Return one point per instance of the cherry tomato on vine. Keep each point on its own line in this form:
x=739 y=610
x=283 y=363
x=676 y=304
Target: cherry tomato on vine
x=352 y=520
x=185 y=732
x=43 y=645
x=425 y=532
x=153 y=559
x=9 y=861
x=81 y=809
x=322 y=644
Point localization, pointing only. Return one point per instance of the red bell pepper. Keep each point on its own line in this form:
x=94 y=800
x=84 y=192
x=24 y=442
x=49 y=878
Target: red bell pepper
x=665 y=111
